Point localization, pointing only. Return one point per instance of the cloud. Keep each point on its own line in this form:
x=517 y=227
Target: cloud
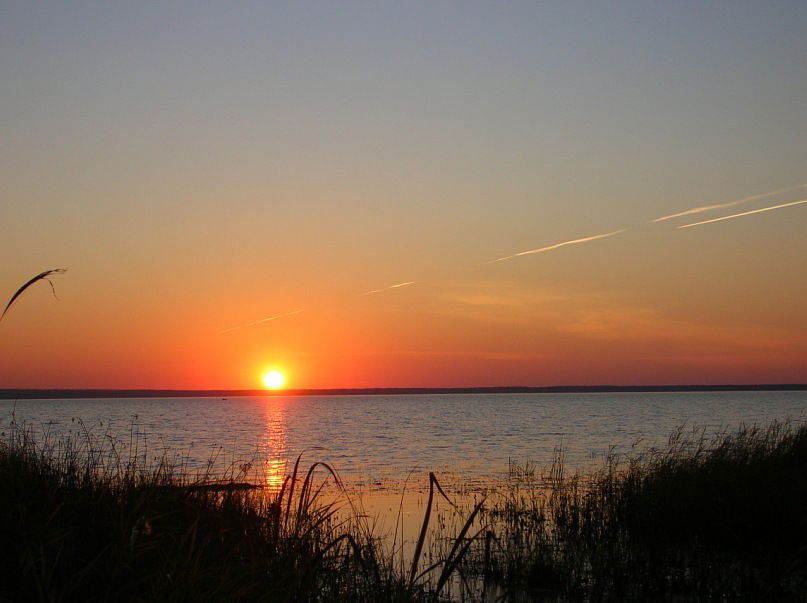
x=511 y=302
x=487 y=300
x=507 y=295
x=390 y=287
x=697 y=210
x=558 y=245
x=745 y=213
x=628 y=323
x=262 y=320
x=485 y=355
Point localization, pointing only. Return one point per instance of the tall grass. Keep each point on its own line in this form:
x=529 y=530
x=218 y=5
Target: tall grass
x=81 y=522
x=717 y=518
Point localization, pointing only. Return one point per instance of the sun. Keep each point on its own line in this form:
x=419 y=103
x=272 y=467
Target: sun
x=273 y=380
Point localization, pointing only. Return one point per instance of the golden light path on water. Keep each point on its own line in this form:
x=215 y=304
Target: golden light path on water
x=273 y=444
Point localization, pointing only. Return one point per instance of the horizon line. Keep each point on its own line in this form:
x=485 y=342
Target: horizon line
x=39 y=393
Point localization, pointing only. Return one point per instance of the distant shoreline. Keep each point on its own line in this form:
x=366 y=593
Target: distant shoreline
x=29 y=394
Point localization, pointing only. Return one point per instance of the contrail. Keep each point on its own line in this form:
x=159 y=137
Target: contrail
x=745 y=213
x=557 y=245
x=390 y=287
x=698 y=210
x=270 y=318
x=257 y=322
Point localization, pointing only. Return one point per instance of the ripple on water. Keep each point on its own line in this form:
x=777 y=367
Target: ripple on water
x=382 y=438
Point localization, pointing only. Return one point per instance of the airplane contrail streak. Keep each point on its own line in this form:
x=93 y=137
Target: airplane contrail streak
x=697 y=210
x=557 y=245
x=390 y=287
x=257 y=322
x=745 y=213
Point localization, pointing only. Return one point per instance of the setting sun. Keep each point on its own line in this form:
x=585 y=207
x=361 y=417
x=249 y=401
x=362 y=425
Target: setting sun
x=273 y=380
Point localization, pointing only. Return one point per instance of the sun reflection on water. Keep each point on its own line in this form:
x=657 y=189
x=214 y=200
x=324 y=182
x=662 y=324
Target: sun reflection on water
x=273 y=444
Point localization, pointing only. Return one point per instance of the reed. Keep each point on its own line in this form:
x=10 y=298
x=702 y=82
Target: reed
x=703 y=518
x=81 y=521
x=717 y=518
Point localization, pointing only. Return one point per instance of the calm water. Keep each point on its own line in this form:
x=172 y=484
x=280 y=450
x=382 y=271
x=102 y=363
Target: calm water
x=377 y=440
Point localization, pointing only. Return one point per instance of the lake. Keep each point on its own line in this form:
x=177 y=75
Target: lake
x=376 y=442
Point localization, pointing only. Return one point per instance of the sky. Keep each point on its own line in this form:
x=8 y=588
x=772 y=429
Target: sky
x=200 y=168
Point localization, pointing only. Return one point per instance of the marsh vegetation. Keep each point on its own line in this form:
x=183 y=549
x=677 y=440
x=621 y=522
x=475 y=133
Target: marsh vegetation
x=717 y=517
x=704 y=518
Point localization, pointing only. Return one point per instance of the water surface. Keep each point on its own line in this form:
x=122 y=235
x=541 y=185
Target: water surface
x=377 y=440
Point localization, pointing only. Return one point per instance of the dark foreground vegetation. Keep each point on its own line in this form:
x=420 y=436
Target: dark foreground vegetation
x=720 y=518
x=80 y=521
x=703 y=519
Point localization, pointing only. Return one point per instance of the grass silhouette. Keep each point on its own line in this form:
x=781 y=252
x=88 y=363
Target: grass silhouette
x=701 y=519
x=42 y=276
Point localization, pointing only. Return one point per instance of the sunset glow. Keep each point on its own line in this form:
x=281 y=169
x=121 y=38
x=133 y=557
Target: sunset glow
x=314 y=254
x=430 y=195
x=273 y=380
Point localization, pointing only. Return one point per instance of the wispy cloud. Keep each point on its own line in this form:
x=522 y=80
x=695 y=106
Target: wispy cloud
x=697 y=210
x=681 y=335
x=271 y=318
x=474 y=354
x=390 y=287
x=262 y=320
x=505 y=295
x=558 y=245
x=745 y=213
x=512 y=303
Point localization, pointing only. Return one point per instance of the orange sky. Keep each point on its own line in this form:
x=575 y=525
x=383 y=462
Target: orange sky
x=199 y=170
